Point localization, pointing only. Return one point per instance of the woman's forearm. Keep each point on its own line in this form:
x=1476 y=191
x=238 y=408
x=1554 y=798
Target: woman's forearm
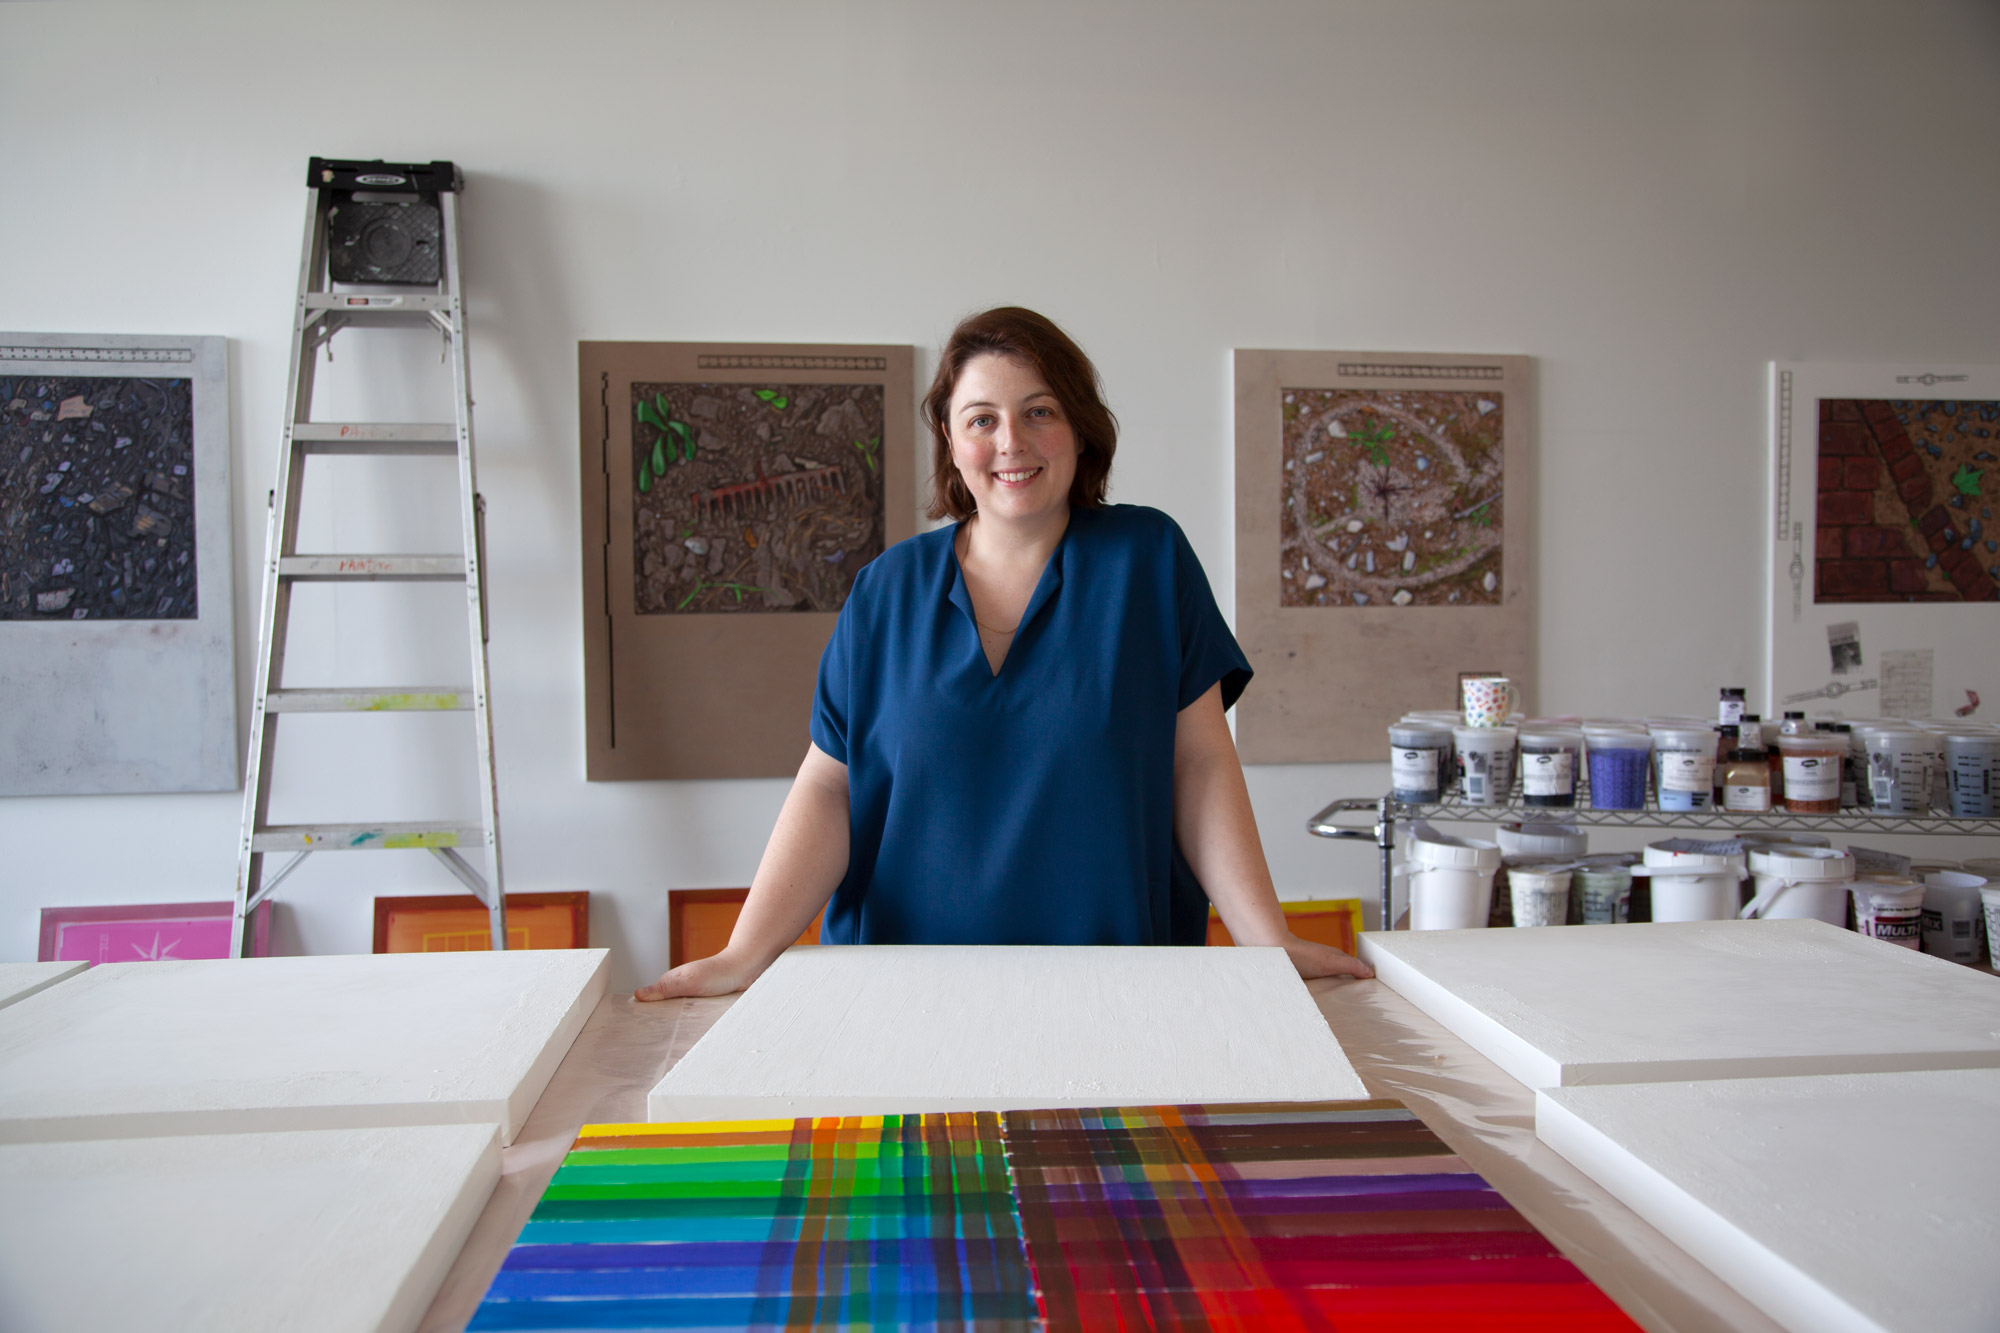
x=1216 y=828
x=802 y=866
x=1217 y=832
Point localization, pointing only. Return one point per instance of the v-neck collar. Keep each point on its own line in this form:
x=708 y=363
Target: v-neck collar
x=1045 y=588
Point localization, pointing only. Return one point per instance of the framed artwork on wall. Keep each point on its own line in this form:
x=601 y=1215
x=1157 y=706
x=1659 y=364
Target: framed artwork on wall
x=1383 y=513
x=117 y=639
x=1885 y=552
x=457 y=923
x=147 y=932
x=731 y=492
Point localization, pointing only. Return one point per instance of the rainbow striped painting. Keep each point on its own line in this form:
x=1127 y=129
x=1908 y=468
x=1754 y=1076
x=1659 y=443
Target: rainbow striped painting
x=1349 y=1217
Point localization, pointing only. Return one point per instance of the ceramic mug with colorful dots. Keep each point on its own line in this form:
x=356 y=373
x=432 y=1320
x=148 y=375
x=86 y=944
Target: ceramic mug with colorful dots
x=1488 y=700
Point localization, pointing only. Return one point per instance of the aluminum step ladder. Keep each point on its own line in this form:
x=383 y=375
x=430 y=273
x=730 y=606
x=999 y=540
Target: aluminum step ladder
x=391 y=260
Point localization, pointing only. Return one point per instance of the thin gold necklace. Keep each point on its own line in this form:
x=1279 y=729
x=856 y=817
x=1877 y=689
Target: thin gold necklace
x=995 y=628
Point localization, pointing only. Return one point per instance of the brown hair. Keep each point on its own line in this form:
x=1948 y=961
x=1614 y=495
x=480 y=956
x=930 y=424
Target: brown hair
x=1023 y=335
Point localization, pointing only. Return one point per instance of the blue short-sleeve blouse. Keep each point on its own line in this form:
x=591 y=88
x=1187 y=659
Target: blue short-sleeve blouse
x=1034 y=806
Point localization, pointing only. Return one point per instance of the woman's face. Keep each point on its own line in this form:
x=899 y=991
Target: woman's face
x=1011 y=442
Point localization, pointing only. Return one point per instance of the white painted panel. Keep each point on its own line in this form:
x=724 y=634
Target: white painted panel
x=1703 y=999
x=20 y=980
x=874 y=1030
x=342 y=1042
x=1853 y=1203
x=335 y=1230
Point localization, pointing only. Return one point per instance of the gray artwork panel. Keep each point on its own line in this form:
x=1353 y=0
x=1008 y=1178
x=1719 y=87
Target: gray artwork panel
x=117 y=641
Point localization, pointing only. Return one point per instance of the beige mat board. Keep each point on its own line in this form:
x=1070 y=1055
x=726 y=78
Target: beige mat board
x=730 y=493
x=1384 y=521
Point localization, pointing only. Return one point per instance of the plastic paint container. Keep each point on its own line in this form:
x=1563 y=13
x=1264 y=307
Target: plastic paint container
x=1989 y=899
x=1417 y=753
x=1952 y=915
x=1528 y=844
x=1451 y=881
x=1549 y=762
x=1795 y=881
x=1812 y=771
x=1683 y=766
x=1485 y=763
x=1710 y=893
x=1890 y=908
x=1972 y=763
x=1541 y=897
x=1618 y=762
x=1900 y=760
x=1857 y=763
x=1606 y=891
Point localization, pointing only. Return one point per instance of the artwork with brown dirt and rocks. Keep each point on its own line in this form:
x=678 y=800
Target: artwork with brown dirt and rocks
x=1905 y=511
x=1391 y=497
x=754 y=497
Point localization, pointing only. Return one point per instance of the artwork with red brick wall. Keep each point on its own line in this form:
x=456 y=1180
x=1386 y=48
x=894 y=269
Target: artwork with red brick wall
x=1905 y=503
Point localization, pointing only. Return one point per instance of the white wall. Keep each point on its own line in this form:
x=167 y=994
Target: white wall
x=1652 y=199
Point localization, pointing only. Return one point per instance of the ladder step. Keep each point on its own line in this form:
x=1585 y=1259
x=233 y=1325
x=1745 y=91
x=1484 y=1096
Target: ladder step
x=364 y=837
x=375 y=437
x=377 y=303
x=443 y=698
x=342 y=568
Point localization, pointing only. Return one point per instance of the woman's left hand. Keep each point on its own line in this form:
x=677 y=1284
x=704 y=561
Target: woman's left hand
x=1323 y=960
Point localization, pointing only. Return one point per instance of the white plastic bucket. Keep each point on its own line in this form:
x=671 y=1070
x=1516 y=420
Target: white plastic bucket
x=1703 y=886
x=1451 y=881
x=1890 y=908
x=1541 y=840
x=1795 y=882
x=1541 y=897
x=1952 y=915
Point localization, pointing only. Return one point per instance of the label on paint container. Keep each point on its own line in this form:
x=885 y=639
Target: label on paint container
x=1551 y=773
x=1811 y=777
x=1746 y=796
x=1898 y=925
x=1414 y=770
x=1687 y=770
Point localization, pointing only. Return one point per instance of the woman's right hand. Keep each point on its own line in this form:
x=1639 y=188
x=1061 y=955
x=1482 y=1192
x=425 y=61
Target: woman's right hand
x=721 y=974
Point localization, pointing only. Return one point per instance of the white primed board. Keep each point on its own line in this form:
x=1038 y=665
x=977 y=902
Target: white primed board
x=1853 y=1203
x=1704 y=999
x=335 y=1230
x=339 y=1042
x=897 y=1029
x=20 y=980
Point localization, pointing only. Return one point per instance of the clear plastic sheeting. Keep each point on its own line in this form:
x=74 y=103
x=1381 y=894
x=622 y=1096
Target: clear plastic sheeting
x=1488 y=1118
x=1483 y=1114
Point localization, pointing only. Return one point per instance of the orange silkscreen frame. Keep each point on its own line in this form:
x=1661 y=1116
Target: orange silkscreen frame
x=457 y=923
x=699 y=922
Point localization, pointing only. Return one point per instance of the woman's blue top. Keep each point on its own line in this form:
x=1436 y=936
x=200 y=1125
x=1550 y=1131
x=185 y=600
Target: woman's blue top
x=1035 y=806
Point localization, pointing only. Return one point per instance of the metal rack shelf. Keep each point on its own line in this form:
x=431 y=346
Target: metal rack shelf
x=1387 y=810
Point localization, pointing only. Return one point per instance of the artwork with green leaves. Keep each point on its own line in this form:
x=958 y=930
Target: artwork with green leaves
x=754 y=498
x=1391 y=497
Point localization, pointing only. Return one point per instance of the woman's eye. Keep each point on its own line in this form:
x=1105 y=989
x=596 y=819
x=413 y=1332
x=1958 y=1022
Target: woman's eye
x=981 y=423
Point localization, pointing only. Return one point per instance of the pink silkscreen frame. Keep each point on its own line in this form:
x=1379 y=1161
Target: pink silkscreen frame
x=146 y=932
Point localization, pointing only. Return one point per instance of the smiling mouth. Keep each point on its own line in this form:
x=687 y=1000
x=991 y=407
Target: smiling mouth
x=1016 y=478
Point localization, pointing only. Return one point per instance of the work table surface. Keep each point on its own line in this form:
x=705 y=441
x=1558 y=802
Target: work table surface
x=1482 y=1113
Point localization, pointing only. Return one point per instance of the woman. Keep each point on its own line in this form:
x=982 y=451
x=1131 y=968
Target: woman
x=1018 y=736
